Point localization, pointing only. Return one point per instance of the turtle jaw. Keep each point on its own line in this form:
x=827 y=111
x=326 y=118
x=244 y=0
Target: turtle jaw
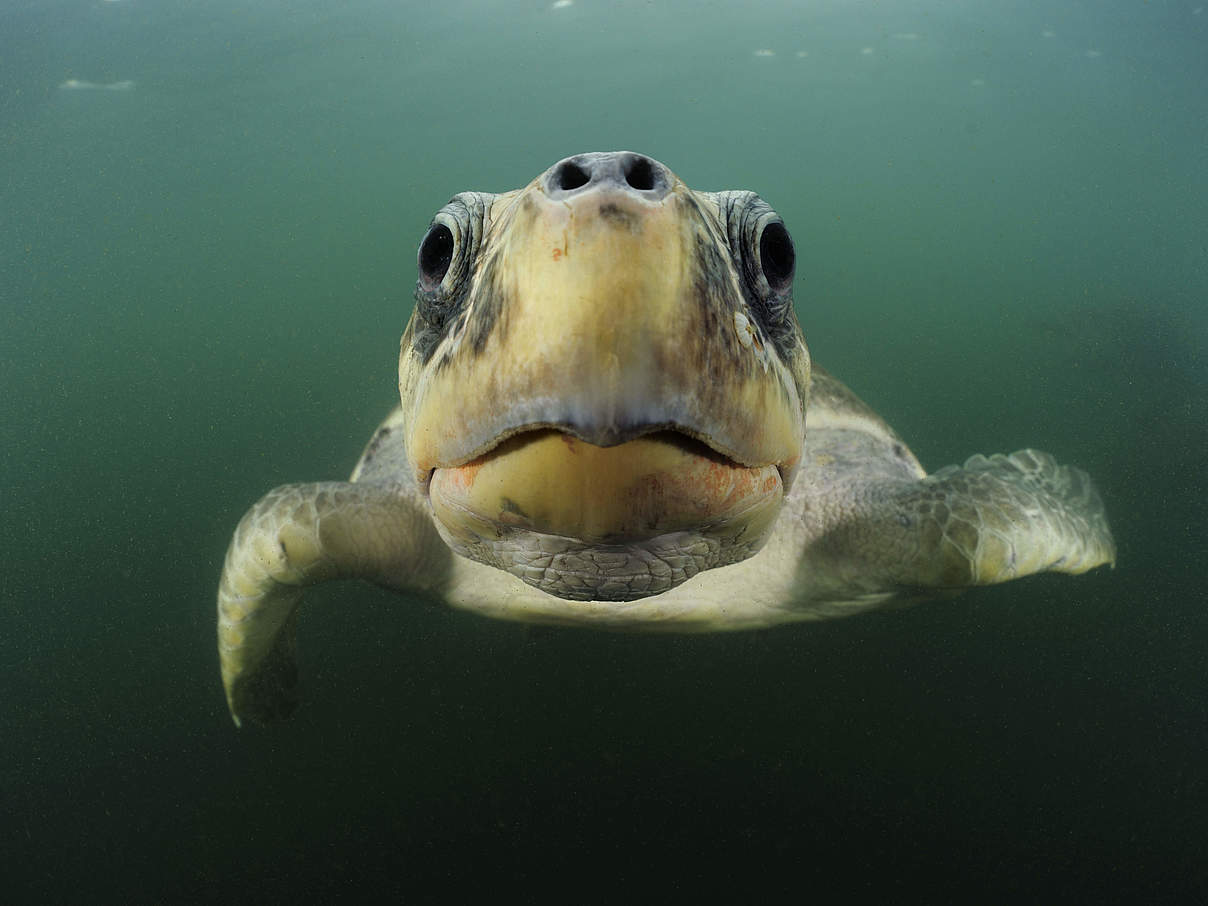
x=551 y=482
x=590 y=523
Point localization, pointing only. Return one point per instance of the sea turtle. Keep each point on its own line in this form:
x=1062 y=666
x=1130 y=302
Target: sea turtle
x=608 y=416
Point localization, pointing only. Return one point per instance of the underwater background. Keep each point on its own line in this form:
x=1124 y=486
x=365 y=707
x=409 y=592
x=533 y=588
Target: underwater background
x=208 y=223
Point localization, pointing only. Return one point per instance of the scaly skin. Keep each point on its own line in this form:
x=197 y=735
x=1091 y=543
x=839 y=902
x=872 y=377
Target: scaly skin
x=298 y=535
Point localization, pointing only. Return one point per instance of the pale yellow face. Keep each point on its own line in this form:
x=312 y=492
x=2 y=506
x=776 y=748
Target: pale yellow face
x=604 y=362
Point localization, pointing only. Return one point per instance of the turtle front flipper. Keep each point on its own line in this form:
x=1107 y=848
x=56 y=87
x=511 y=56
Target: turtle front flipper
x=299 y=535
x=993 y=519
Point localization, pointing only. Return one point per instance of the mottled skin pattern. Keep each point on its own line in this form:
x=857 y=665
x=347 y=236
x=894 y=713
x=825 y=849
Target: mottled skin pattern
x=706 y=325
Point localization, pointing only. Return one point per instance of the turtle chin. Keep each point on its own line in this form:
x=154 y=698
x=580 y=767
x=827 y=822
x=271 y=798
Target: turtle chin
x=590 y=522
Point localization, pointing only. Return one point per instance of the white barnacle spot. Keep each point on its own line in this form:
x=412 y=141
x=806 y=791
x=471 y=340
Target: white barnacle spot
x=866 y=51
x=561 y=4
x=748 y=338
x=765 y=52
x=743 y=327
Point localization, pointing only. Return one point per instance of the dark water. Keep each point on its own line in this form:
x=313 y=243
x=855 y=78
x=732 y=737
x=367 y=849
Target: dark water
x=1000 y=211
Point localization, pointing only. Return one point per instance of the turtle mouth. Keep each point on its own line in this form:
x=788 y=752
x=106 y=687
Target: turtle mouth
x=646 y=483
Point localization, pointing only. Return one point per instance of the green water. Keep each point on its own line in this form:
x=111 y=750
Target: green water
x=1000 y=225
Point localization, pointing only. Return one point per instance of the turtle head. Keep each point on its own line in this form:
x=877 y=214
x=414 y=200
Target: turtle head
x=605 y=366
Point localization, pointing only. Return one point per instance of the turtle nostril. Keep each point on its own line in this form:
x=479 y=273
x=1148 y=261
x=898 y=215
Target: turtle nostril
x=570 y=176
x=639 y=174
x=612 y=171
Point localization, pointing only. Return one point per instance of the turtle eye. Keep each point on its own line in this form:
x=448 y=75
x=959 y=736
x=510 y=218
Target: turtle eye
x=777 y=257
x=435 y=255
